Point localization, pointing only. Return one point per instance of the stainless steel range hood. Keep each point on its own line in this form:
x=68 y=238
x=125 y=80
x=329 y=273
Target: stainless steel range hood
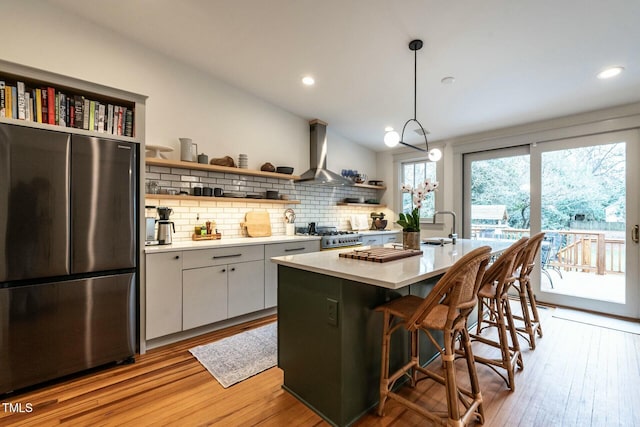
x=319 y=174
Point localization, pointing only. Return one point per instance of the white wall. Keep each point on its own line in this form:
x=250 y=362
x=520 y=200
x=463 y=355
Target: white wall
x=183 y=101
x=342 y=154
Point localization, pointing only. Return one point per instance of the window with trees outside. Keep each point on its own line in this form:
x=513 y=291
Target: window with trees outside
x=414 y=173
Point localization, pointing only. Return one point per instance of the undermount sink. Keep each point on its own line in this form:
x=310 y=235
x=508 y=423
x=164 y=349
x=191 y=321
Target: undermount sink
x=440 y=241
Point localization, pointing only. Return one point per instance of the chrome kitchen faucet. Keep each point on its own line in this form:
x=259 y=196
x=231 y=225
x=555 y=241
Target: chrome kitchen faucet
x=453 y=236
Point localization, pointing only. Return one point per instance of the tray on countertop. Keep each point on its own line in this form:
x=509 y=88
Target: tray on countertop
x=196 y=237
x=380 y=254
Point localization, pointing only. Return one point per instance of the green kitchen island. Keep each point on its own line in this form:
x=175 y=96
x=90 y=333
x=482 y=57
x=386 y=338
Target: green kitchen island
x=329 y=337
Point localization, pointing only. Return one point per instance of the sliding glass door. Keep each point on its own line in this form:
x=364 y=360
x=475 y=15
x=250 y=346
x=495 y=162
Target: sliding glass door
x=584 y=196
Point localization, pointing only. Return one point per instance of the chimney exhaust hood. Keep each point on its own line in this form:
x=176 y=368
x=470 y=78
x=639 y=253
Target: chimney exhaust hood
x=319 y=174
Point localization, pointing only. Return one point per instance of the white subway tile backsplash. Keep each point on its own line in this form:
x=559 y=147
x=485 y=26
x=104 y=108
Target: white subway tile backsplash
x=317 y=204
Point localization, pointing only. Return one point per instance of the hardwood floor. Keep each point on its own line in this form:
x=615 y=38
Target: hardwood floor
x=579 y=375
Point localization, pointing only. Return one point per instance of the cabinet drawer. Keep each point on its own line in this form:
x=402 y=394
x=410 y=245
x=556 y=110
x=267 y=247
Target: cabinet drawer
x=220 y=256
x=368 y=240
x=291 y=248
x=392 y=238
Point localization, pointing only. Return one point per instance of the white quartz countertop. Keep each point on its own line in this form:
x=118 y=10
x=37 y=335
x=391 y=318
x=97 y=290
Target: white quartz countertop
x=435 y=260
x=238 y=241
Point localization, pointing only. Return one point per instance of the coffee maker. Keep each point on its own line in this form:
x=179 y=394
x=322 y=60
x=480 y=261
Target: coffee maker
x=165 y=226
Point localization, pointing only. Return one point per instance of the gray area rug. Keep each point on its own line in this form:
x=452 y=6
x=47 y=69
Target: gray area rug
x=238 y=357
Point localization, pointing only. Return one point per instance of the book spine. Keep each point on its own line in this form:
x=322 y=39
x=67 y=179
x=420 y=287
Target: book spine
x=39 y=105
x=120 y=113
x=77 y=108
x=70 y=112
x=27 y=106
x=56 y=106
x=14 y=102
x=51 y=105
x=34 y=106
x=21 y=104
x=101 y=118
x=92 y=115
x=2 y=99
x=45 y=105
x=110 y=118
x=85 y=114
x=128 y=123
x=62 y=113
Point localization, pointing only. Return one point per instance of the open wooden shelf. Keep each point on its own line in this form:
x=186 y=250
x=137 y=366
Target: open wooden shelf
x=375 y=187
x=213 y=168
x=220 y=199
x=368 y=205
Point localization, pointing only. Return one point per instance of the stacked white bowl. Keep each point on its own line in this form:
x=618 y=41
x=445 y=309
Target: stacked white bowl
x=243 y=161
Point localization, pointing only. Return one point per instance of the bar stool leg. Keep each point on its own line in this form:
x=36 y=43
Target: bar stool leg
x=534 y=309
x=448 y=358
x=465 y=343
x=384 y=371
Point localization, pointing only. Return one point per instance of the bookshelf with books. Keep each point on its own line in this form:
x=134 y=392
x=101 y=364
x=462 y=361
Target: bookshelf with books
x=37 y=98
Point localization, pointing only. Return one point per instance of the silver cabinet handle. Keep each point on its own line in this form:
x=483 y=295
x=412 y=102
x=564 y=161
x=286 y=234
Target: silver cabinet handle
x=634 y=233
x=294 y=249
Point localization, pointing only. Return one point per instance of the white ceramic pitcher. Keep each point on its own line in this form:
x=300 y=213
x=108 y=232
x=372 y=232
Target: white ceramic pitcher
x=188 y=150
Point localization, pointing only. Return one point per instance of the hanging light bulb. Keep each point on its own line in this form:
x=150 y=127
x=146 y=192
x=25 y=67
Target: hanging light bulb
x=435 y=154
x=391 y=138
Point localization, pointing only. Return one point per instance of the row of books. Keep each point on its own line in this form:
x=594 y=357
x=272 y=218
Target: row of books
x=46 y=105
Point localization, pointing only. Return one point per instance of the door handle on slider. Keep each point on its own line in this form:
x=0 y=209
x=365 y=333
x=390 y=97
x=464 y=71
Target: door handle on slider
x=635 y=233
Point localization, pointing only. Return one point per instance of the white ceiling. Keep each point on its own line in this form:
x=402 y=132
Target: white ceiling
x=514 y=62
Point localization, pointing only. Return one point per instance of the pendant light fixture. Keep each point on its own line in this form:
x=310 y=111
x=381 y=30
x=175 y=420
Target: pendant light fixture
x=391 y=138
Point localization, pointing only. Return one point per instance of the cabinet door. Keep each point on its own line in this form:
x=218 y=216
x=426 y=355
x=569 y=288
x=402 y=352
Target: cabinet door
x=163 y=294
x=391 y=238
x=246 y=287
x=271 y=269
x=368 y=240
x=204 y=296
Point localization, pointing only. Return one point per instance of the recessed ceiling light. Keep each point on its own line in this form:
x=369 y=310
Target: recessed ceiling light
x=308 y=81
x=610 y=72
x=448 y=80
x=388 y=129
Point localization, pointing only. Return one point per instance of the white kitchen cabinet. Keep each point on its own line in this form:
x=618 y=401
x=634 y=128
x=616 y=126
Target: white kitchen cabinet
x=204 y=296
x=391 y=237
x=163 y=294
x=245 y=283
x=371 y=239
x=271 y=269
x=381 y=238
x=221 y=283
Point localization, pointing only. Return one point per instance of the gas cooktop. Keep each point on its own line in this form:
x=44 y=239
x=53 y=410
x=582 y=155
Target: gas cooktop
x=331 y=237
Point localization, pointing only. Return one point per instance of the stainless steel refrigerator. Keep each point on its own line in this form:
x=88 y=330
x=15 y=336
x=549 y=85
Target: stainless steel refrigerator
x=68 y=254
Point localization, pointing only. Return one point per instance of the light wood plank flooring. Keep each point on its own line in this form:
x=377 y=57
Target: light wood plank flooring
x=579 y=375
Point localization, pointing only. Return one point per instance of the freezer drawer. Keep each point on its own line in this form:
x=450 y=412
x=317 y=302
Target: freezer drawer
x=51 y=330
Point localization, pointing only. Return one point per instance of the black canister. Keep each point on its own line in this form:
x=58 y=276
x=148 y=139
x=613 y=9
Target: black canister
x=197 y=191
x=207 y=191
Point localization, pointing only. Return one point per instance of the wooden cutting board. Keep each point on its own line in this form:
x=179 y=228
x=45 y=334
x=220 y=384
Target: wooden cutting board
x=380 y=254
x=258 y=224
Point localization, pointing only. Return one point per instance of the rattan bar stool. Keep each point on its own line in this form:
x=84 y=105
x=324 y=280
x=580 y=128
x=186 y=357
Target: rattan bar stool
x=493 y=302
x=445 y=309
x=529 y=318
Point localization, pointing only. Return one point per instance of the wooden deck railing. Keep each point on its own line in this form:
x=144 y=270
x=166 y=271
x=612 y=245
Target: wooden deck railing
x=587 y=251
